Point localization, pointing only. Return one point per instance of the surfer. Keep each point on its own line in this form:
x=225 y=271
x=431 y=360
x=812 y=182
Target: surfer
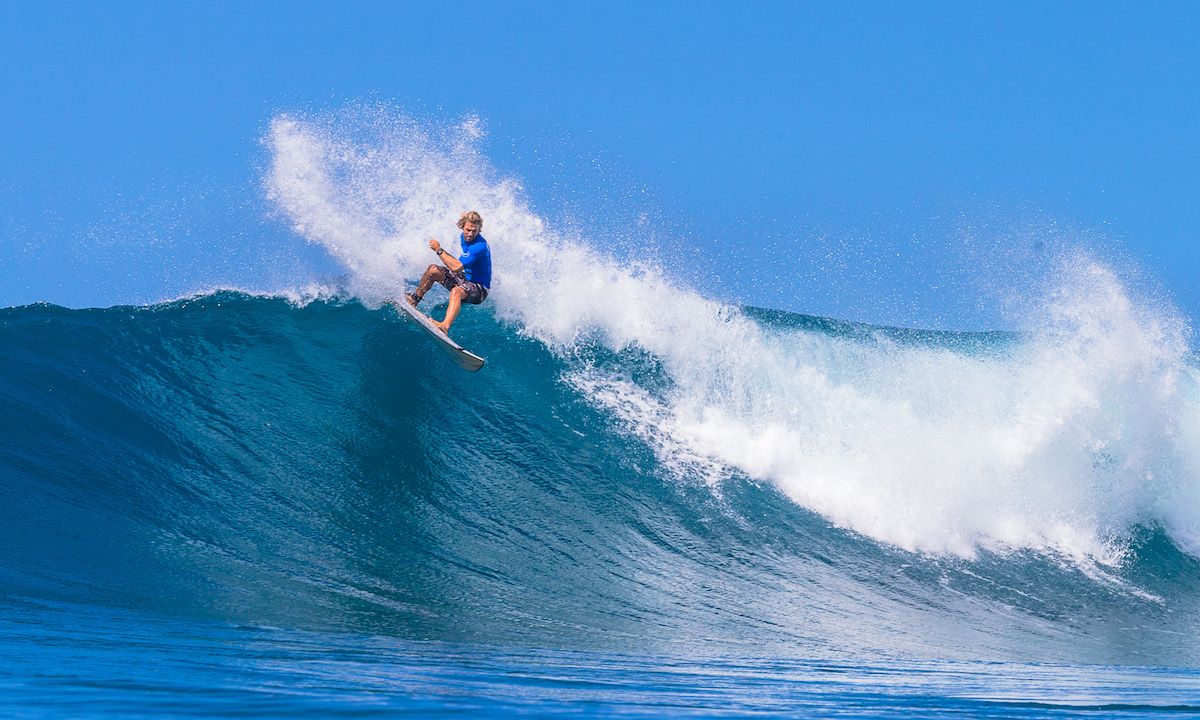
x=467 y=278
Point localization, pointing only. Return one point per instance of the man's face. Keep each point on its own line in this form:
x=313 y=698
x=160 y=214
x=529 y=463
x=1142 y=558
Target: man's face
x=470 y=230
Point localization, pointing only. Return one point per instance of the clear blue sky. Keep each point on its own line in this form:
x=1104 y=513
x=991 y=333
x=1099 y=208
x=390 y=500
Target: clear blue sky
x=880 y=162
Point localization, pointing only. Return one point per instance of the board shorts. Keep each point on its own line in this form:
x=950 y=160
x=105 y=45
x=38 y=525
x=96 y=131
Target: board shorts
x=476 y=293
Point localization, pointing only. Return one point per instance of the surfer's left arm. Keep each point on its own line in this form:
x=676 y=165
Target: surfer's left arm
x=447 y=259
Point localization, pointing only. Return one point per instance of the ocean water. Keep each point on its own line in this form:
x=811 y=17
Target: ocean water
x=649 y=503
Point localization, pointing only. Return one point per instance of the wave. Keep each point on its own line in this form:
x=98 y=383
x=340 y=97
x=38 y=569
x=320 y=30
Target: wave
x=1066 y=440
x=316 y=465
x=639 y=468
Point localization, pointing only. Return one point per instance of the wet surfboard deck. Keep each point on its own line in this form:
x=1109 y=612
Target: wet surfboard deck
x=466 y=359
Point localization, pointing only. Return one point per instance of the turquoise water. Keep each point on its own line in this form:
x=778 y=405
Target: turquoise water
x=253 y=505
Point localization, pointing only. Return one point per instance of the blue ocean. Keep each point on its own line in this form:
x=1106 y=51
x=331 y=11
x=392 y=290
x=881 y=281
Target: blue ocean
x=649 y=503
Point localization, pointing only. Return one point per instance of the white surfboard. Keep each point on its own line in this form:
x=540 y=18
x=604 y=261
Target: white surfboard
x=466 y=359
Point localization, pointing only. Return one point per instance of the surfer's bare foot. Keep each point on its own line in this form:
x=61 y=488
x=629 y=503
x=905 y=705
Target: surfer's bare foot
x=442 y=326
x=412 y=299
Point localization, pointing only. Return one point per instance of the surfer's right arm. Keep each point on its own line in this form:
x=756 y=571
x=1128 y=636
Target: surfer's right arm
x=447 y=259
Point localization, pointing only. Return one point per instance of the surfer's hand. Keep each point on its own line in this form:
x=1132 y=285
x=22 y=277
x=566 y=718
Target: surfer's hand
x=434 y=245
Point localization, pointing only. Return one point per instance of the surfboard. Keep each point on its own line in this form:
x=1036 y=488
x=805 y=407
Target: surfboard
x=466 y=359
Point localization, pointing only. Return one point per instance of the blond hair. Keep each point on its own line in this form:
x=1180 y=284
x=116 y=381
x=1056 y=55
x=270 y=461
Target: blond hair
x=471 y=216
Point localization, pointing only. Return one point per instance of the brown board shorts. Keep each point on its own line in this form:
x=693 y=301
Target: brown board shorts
x=476 y=293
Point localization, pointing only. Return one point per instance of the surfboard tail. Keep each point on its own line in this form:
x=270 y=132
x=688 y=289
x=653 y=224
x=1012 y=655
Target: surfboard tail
x=464 y=358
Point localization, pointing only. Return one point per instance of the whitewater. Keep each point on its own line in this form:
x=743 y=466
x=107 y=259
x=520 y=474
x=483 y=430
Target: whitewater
x=650 y=501
x=1065 y=442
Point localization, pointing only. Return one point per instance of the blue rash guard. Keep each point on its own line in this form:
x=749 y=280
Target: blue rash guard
x=476 y=260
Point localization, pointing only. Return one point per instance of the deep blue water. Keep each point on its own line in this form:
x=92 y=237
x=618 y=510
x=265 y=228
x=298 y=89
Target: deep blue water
x=242 y=505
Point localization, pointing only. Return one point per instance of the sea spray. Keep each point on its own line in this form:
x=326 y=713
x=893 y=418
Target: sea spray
x=1066 y=441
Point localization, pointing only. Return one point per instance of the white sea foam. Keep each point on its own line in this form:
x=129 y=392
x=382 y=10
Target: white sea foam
x=298 y=296
x=1084 y=430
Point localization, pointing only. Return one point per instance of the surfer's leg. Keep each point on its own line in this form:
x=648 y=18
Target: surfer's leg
x=456 y=298
x=433 y=273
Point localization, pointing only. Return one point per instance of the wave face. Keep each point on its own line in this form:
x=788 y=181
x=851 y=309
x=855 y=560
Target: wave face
x=813 y=489
x=638 y=469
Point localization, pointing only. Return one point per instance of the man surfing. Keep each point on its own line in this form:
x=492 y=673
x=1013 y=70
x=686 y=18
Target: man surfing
x=468 y=277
